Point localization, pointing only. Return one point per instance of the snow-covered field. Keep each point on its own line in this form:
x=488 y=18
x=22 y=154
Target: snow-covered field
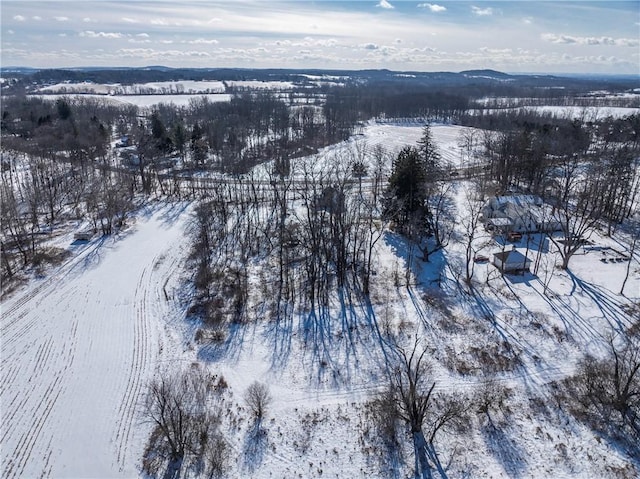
x=590 y=113
x=183 y=86
x=261 y=85
x=79 y=345
x=144 y=101
x=78 y=348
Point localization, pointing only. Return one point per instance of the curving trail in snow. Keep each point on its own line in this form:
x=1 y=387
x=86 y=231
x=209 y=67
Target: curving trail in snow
x=77 y=350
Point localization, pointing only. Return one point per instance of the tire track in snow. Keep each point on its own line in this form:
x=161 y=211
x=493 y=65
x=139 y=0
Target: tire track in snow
x=127 y=408
x=25 y=445
x=16 y=309
x=135 y=386
x=57 y=334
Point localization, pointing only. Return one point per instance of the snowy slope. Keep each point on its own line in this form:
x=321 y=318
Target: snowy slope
x=77 y=350
x=79 y=346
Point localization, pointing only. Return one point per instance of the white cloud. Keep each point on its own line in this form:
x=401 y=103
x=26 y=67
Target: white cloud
x=129 y=20
x=142 y=35
x=88 y=20
x=202 y=41
x=159 y=21
x=434 y=7
x=482 y=12
x=10 y=32
x=495 y=50
x=385 y=4
x=527 y=20
x=92 y=34
x=369 y=46
x=627 y=42
x=61 y=19
x=150 y=53
x=37 y=17
x=572 y=40
x=19 y=18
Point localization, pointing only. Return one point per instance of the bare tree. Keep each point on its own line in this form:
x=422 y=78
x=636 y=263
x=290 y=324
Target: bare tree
x=470 y=221
x=258 y=399
x=185 y=423
x=605 y=393
x=425 y=412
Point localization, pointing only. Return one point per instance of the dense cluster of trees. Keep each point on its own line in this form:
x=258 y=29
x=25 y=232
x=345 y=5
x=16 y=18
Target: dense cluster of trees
x=324 y=243
x=55 y=159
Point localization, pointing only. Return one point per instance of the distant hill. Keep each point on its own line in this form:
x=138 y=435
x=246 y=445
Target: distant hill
x=465 y=79
x=486 y=74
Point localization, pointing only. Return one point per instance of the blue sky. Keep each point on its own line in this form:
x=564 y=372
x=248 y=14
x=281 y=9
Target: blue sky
x=512 y=36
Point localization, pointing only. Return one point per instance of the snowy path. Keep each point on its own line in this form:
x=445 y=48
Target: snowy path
x=77 y=350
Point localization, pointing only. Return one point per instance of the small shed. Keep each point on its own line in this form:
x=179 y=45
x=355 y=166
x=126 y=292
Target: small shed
x=511 y=261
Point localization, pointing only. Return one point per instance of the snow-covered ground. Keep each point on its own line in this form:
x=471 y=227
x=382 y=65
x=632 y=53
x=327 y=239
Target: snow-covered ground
x=261 y=85
x=145 y=100
x=183 y=86
x=590 y=113
x=79 y=346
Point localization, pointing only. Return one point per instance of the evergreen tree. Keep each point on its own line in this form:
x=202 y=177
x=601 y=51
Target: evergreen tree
x=406 y=194
x=430 y=155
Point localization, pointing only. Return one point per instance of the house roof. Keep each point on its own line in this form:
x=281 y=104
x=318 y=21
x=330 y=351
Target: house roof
x=511 y=256
x=520 y=200
x=500 y=221
x=526 y=208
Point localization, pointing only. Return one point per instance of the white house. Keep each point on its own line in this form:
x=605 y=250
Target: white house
x=520 y=213
x=511 y=261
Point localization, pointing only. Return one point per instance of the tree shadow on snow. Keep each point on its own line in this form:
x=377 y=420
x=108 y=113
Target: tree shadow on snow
x=230 y=348
x=338 y=339
x=279 y=333
x=524 y=278
x=575 y=321
x=426 y=273
x=254 y=447
x=503 y=446
x=607 y=302
x=172 y=212
x=316 y=333
x=174 y=470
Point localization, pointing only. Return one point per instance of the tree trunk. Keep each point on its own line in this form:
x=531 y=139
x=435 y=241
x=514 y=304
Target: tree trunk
x=422 y=467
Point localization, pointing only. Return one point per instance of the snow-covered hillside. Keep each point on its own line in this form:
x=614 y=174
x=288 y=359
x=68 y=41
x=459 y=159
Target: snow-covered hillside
x=79 y=346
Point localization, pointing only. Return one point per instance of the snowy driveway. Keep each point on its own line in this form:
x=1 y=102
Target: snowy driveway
x=77 y=349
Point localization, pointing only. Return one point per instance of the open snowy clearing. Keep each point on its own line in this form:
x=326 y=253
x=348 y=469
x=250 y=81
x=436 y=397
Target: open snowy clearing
x=589 y=113
x=184 y=86
x=78 y=348
x=144 y=101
